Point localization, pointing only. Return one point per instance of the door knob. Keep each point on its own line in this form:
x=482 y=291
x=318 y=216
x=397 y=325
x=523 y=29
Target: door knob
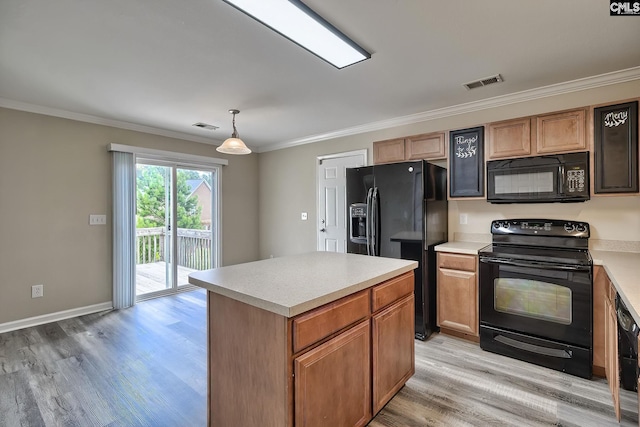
x=323 y=230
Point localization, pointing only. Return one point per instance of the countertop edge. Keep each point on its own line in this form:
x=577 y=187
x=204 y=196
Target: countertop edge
x=466 y=248
x=619 y=266
x=296 y=309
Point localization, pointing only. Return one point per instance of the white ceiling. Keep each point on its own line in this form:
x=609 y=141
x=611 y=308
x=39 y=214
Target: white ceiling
x=162 y=65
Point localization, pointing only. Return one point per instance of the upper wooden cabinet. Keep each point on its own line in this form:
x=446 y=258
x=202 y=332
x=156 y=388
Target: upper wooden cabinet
x=389 y=151
x=561 y=132
x=511 y=138
x=429 y=146
x=554 y=133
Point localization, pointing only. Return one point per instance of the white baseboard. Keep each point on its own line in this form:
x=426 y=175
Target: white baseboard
x=54 y=317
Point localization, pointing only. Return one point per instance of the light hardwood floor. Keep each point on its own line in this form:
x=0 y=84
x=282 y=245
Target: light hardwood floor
x=146 y=366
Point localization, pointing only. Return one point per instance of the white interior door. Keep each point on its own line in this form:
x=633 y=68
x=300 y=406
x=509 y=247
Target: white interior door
x=332 y=198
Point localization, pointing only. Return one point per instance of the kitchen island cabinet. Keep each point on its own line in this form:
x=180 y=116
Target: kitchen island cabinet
x=308 y=340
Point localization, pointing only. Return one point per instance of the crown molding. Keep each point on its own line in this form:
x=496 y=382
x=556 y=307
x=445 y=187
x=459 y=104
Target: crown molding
x=87 y=118
x=606 y=79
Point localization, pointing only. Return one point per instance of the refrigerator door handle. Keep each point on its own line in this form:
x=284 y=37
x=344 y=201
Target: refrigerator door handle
x=368 y=221
x=374 y=224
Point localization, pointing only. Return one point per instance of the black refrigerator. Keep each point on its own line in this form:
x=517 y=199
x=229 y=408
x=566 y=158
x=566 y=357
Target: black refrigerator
x=399 y=210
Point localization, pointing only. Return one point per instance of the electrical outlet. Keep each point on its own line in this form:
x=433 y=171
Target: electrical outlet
x=97 y=219
x=464 y=218
x=303 y=216
x=37 y=291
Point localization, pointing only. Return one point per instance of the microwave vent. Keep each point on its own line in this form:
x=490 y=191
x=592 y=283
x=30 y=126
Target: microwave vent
x=484 y=82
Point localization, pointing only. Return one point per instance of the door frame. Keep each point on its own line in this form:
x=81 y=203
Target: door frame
x=176 y=163
x=319 y=159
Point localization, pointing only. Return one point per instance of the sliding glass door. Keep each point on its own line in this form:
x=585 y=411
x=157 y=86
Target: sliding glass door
x=175 y=224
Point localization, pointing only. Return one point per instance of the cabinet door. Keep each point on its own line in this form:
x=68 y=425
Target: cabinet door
x=458 y=300
x=611 y=355
x=600 y=290
x=389 y=151
x=428 y=147
x=333 y=381
x=393 y=350
x=561 y=132
x=616 y=148
x=511 y=138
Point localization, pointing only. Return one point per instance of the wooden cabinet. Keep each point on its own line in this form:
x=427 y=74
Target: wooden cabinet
x=393 y=350
x=600 y=292
x=333 y=381
x=612 y=369
x=390 y=151
x=560 y=132
x=510 y=138
x=429 y=146
x=321 y=323
x=457 y=293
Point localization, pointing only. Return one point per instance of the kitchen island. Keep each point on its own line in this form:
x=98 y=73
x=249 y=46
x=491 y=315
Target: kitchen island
x=314 y=339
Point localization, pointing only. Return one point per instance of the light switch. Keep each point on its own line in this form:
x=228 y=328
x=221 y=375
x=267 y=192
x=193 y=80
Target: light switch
x=97 y=220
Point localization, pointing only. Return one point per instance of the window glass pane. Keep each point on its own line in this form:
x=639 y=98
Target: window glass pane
x=534 y=299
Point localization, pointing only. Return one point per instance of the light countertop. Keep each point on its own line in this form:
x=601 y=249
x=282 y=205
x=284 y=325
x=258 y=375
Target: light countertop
x=469 y=248
x=295 y=284
x=623 y=269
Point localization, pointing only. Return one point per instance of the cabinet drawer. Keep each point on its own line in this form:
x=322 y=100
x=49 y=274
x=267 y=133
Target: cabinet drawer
x=391 y=291
x=457 y=262
x=320 y=323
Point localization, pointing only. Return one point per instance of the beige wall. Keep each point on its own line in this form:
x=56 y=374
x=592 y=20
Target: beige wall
x=54 y=173
x=288 y=182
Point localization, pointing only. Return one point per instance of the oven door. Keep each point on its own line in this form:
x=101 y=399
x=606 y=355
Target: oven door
x=548 y=301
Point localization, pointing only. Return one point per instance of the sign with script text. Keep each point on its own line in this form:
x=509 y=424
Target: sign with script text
x=466 y=162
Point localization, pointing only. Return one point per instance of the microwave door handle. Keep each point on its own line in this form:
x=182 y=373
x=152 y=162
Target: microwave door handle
x=561 y=180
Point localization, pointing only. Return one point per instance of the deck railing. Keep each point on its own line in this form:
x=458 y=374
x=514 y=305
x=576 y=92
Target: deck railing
x=194 y=247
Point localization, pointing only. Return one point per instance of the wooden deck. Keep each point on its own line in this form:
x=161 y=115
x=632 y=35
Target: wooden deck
x=152 y=277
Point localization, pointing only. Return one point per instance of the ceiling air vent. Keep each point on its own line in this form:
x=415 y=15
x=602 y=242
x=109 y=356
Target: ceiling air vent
x=484 y=82
x=206 y=126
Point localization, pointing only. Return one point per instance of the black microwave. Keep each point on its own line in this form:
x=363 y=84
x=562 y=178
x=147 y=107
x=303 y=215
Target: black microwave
x=542 y=179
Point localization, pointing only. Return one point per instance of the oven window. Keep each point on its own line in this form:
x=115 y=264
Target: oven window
x=534 y=299
x=524 y=183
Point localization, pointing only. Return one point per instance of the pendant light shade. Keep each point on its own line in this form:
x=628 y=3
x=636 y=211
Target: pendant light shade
x=233 y=145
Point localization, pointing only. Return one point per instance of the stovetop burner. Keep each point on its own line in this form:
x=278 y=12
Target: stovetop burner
x=539 y=254
x=540 y=240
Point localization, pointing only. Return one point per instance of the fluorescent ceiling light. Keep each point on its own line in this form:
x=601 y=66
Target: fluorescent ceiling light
x=294 y=20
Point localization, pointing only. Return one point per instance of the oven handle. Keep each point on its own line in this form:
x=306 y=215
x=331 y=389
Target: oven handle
x=553 y=352
x=533 y=264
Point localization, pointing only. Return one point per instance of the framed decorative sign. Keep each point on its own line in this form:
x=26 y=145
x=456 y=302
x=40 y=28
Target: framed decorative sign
x=466 y=162
x=616 y=148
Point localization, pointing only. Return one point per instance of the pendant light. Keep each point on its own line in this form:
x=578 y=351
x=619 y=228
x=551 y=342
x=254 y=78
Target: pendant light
x=233 y=145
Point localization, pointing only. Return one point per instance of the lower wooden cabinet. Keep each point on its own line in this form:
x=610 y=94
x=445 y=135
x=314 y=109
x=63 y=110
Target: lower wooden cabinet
x=612 y=369
x=393 y=350
x=333 y=381
x=457 y=293
x=600 y=291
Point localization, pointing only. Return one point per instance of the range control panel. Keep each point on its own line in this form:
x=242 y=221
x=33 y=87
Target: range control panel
x=541 y=227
